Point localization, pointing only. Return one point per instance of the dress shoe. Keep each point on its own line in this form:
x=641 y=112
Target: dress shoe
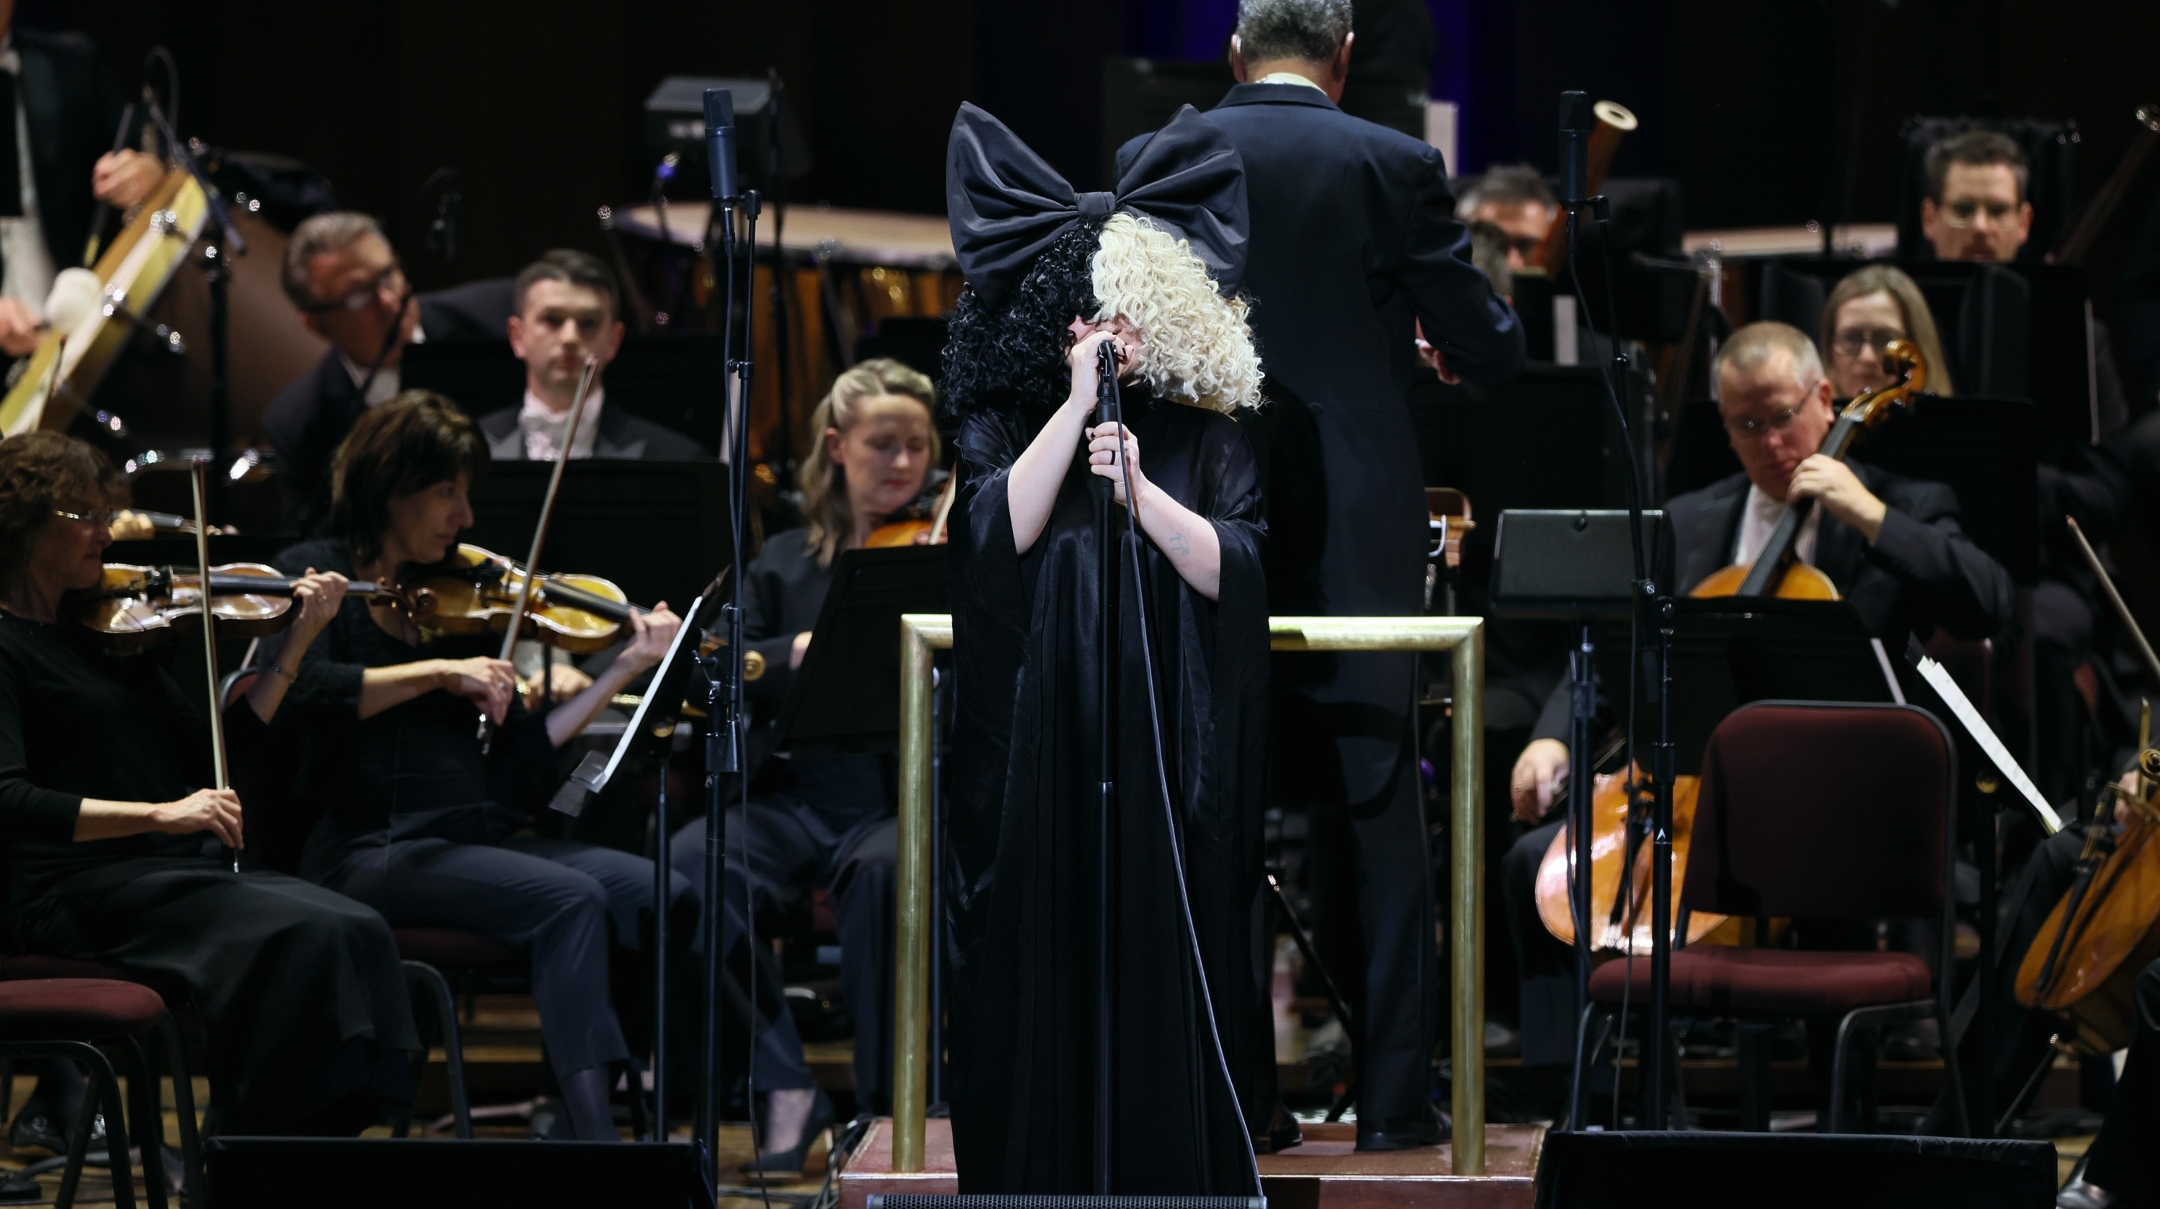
x=2077 y=1194
x=788 y=1164
x=1430 y=1129
x=34 y=1130
x=1282 y=1133
x=19 y=1188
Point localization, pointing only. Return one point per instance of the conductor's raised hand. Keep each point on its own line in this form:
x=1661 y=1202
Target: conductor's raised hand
x=214 y=810
x=487 y=683
x=1104 y=459
x=650 y=636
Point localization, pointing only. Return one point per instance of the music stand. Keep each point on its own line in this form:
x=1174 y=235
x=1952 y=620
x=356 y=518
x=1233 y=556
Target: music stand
x=846 y=696
x=1579 y=565
x=656 y=528
x=665 y=377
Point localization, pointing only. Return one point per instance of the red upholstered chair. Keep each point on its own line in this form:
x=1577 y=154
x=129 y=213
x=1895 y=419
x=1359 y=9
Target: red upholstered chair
x=78 y=1019
x=1817 y=810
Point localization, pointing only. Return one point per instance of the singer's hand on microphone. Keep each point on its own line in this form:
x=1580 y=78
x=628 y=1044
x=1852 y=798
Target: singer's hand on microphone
x=1103 y=460
x=1085 y=370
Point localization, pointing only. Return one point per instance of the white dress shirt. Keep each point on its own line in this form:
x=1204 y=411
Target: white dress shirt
x=387 y=379
x=543 y=429
x=30 y=271
x=1760 y=516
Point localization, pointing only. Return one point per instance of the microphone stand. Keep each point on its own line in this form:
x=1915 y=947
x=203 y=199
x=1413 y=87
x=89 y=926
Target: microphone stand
x=1106 y=602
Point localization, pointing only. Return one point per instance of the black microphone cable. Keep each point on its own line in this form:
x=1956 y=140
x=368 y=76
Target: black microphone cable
x=1108 y=355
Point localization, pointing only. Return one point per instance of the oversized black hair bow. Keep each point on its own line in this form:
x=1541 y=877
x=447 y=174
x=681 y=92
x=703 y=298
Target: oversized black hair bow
x=1007 y=206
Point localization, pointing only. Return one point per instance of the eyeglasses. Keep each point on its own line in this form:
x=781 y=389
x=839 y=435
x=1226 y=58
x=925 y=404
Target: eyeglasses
x=1523 y=246
x=1960 y=213
x=363 y=294
x=100 y=519
x=1743 y=429
x=1860 y=340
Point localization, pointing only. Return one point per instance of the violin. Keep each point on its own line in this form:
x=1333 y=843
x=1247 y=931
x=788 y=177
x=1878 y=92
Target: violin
x=1777 y=571
x=475 y=591
x=917 y=531
x=135 y=608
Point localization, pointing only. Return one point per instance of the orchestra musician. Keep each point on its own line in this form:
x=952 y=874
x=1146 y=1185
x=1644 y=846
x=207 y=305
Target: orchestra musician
x=1866 y=310
x=568 y=307
x=825 y=822
x=1891 y=545
x=1355 y=246
x=113 y=834
x=420 y=817
x=342 y=274
x=1515 y=199
x=62 y=99
x=1977 y=209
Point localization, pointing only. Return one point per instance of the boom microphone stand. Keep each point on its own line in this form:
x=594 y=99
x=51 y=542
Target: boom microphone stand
x=1106 y=608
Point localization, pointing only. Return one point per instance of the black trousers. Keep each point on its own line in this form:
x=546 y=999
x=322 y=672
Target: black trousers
x=778 y=851
x=1545 y=966
x=2124 y=1159
x=299 y=989
x=563 y=903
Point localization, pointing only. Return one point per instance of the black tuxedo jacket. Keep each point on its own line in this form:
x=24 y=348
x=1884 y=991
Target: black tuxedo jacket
x=1354 y=238
x=621 y=435
x=308 y=419
x=1921 y=573
x=71 y=105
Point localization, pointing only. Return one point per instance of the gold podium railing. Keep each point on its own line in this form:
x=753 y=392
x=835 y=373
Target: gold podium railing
x=923 y=633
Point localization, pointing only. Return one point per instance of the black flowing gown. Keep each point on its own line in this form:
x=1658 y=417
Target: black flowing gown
x=1021 y=874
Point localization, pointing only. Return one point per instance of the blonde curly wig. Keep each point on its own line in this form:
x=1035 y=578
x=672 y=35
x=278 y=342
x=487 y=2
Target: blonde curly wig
x=1198 y=349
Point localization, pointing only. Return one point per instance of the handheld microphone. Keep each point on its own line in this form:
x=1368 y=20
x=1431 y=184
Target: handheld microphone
x=1576 y=123
x=720 y=143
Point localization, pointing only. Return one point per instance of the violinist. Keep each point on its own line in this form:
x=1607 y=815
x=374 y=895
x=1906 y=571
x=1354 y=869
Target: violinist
x=114 y=841
x=827 y=822
x=423 y=821
x=568 y=309
x=1891 y=545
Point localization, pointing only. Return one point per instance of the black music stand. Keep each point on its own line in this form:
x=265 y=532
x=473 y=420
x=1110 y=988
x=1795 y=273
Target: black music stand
x=1578 y=565
x=846 y=696
x=657 y=528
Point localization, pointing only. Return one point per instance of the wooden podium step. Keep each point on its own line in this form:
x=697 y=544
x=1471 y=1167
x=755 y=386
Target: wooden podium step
x=1326 y=1172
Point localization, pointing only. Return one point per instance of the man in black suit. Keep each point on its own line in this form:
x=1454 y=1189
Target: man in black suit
x=70 y=106
x=341 y=272
x=1891 y=545
x=1354 y=243
x=566 y=309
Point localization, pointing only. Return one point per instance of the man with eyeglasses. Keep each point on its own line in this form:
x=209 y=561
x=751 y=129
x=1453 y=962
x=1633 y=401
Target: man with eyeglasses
x=341 y=273
x=1515 y=200
x=1976 y=208
x=1892 y=545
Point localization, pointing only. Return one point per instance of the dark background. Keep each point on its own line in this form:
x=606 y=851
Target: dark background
x=539 y=103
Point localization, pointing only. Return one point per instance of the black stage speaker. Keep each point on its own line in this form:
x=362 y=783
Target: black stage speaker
x=1625 y=1170
x=368 y=1173
x=1066 y=1202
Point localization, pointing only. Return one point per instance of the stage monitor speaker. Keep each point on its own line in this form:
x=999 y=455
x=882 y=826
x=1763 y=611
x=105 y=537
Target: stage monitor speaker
x=1066 y=1202
x=1630 y=1170
x=368 y=1173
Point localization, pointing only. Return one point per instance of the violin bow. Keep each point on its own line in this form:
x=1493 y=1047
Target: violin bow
x=198 y=479
x=547 y=513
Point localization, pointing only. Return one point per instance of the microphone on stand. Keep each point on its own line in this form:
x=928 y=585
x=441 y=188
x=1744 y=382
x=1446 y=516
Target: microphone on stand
x=442 y=233
x=1106 y=363
x=1576 y=123
x=720 y=143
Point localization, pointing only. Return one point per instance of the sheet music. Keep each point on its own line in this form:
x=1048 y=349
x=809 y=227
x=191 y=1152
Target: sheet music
x=1978 y=728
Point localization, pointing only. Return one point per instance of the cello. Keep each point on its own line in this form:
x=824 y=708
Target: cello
x=1618 y=859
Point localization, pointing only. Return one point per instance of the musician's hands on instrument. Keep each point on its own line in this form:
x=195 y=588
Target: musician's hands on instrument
x=1841 y=493
x=318 y=595
x=1103 y=460
x=798 y=648
x=20 y=328
x=650 y=636
x=125 y=177
x=129 y=525
x=487 y=683
x=1540 y=776
x=560 y=682
x=213 y=810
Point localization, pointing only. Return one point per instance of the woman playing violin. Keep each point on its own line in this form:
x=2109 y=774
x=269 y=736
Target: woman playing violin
x=423 y=821
x=826 y=823
x=113 y=841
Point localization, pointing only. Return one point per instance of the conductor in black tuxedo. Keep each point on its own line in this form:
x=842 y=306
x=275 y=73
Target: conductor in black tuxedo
x=1354 y=244
x=351 y=290
x=566 y=310
x=1891 y=545
x=70 y=108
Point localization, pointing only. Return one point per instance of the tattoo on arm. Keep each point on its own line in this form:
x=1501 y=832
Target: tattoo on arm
x=1179 y=546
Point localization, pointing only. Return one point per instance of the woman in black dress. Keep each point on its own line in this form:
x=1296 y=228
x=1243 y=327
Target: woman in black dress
x=1047 y=286
x=422 y=822
x=115 y=847
x=823 y=822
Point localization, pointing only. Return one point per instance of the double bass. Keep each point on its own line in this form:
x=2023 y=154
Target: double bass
x=1617 y=857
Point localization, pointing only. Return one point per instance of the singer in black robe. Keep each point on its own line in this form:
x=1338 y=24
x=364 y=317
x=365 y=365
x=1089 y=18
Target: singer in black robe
x=1187 y=1043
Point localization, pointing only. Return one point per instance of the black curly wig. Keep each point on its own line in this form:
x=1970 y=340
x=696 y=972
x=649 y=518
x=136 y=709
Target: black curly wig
x=1016 y=355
